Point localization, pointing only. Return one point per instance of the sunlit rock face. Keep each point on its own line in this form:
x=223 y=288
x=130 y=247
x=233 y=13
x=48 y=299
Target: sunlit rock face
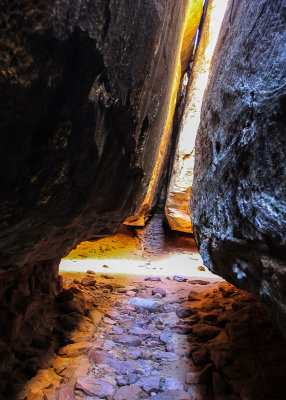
x=192 y=22
x=177 y=208
x=84 y=87
x=186 y=40
x=239 y=191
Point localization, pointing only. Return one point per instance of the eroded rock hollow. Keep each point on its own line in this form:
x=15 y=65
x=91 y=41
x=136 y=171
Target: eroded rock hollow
x=238 y=195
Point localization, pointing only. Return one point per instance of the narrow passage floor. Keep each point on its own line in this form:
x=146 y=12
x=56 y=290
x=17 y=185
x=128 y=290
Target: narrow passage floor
x=167 y=329
x=137 y=337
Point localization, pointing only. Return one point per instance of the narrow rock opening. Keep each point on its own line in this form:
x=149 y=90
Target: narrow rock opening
x=131 y=134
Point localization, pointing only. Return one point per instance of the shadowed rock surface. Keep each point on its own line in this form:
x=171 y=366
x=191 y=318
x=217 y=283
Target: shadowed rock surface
x=238 y=196
x=81 y=120
x=84 y=87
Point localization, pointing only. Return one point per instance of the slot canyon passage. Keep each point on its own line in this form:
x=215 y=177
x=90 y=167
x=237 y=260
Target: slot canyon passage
x=143 y=205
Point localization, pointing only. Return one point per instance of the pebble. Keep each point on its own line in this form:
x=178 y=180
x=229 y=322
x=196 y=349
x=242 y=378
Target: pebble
x=113 y=314
x=65 y=393
x=130 y=393
x=109 y=321
x=153 y=279
x=184 y=312
x=166 y=336
x=121 y=367
x=94 y=386
x=105 y=276
x=165 y=356
x=142 y=333
x=150 y=305
x=90 y=272
x=150 y=383
x=162 y=292
x=88 y=281
x=117 y=330
x=128 y=340
x=108 y=345
x=134 y=354
x=180 y=278
x=172 y=383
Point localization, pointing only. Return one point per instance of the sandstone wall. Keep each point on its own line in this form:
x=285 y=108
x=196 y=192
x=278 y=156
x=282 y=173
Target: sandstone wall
x=238 y=195
x=177 y=208
x=83 y=91
x=189 y=26
x=83 y=88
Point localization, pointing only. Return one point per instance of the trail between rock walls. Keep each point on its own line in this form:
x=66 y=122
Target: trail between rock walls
x=163 y=338
x=166 y=329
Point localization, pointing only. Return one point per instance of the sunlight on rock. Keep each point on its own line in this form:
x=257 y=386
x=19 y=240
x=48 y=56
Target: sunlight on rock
x=177 y=208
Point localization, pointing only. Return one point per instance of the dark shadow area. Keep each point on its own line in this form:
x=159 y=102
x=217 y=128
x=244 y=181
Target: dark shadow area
x=39 y=325
x=237 y=352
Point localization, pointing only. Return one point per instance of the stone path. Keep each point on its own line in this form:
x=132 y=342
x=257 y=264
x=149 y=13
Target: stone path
x=163 y=338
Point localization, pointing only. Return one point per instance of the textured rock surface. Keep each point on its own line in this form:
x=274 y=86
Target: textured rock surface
x=232 y=351
x=177 y=208
x=185 y=40
x=193 y=20
x=81 y=123
x=83 y=90
x=27 y=319
x=238 y=196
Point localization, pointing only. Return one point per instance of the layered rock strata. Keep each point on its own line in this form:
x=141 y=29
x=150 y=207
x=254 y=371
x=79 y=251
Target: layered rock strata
x=84 y=87
x=177 y=208
x=238 y=195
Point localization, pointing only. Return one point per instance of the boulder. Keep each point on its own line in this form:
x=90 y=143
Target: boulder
x=239 y=190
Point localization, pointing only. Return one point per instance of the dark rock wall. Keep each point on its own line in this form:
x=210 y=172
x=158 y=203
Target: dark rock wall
x=239 y=193
x=27 y=310
x=83 y=88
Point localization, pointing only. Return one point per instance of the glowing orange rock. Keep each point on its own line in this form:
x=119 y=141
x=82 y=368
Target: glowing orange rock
x=179 y=191
x=194 y=14
x=188 y=34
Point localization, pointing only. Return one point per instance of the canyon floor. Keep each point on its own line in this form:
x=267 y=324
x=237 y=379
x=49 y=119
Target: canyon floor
x=164 y=329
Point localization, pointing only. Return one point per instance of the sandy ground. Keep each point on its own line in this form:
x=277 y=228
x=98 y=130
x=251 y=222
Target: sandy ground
x=147 y=251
